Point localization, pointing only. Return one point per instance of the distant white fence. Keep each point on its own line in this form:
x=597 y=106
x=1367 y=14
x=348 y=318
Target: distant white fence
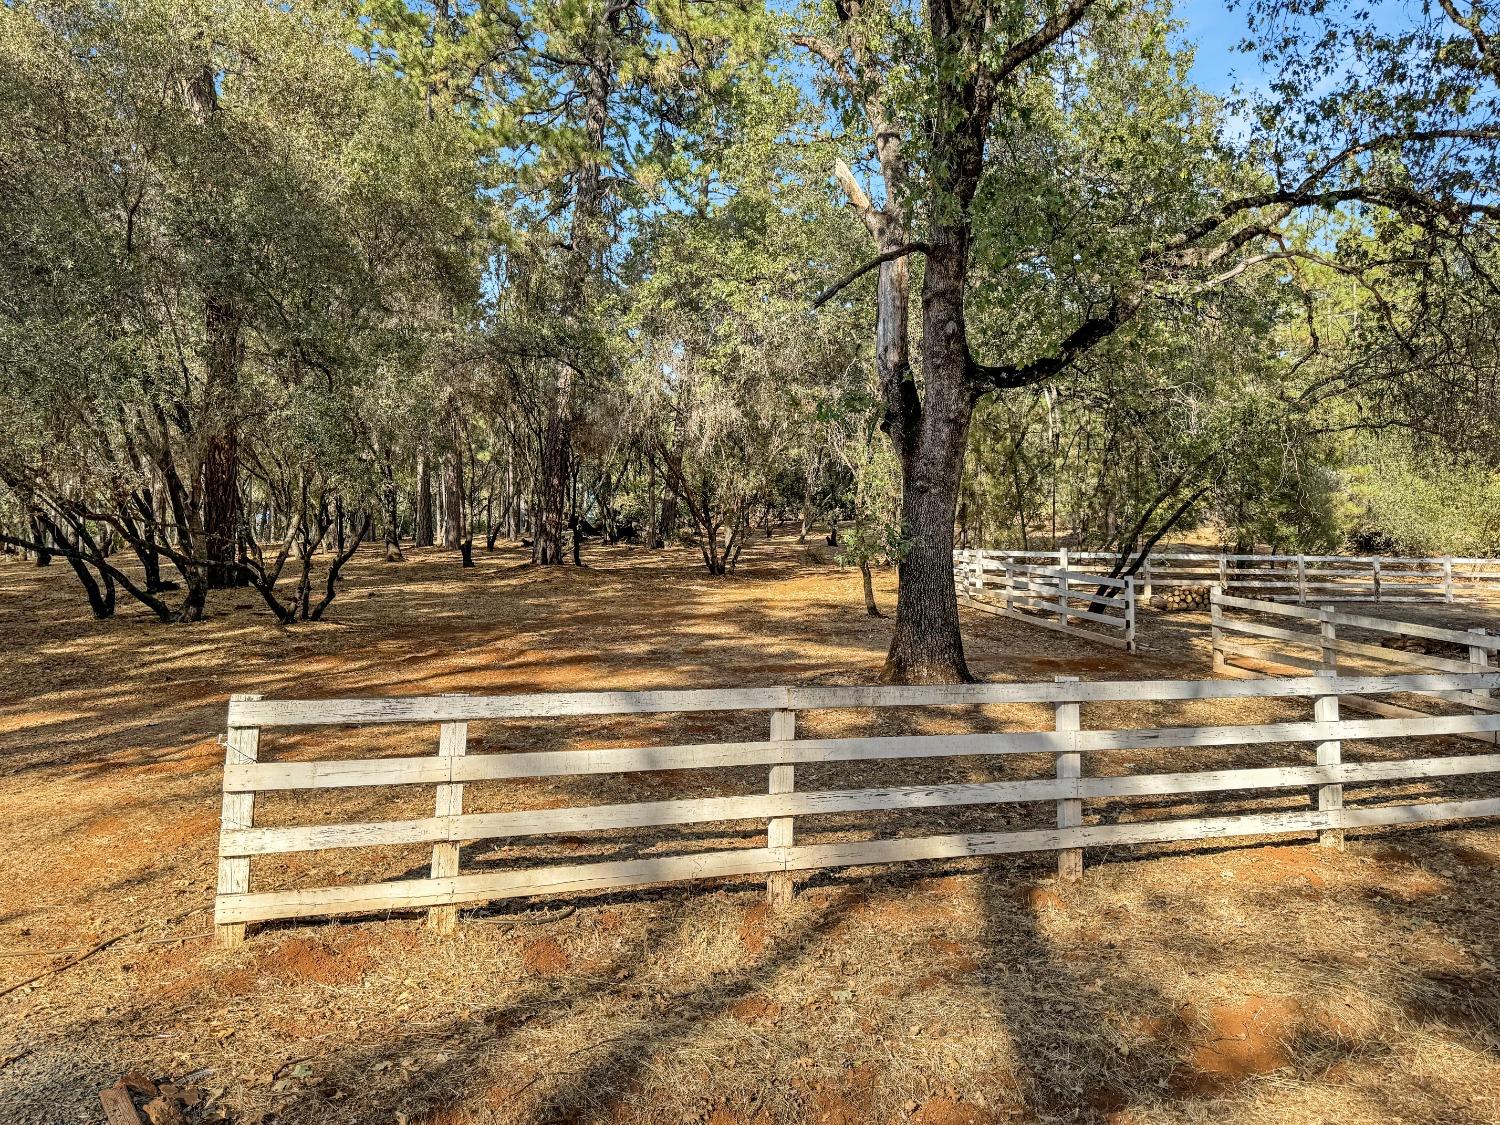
x=1055 y=597
x=1296 y=578
x=767 y=816
x=1304 y=639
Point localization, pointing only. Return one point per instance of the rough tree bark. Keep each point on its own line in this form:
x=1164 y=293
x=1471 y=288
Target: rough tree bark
x=453 y=501
x=928 y=428
x=223 y=348
x=422 y=532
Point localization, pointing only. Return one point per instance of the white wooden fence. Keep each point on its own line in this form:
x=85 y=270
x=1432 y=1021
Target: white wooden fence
x=1054 y=597
x=1315 y=643
x=1297 y=578
x=1065 y=788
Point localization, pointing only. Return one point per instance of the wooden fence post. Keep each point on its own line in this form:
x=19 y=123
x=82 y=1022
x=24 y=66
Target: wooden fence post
x=1448 y=578
x=1223 y=570
x=1376 y=577
x=1330 y=753
x=1301 y=579
x=1327 y=635
x=1146 y=577
x=1010 y=585
x=1129 y=614
x=1062 y=589
x=241 y=745
x=453 y=740
x=1069 y=768
x=979 y=573
x=1479 y=656
x=779 y=829
x=1216 y=626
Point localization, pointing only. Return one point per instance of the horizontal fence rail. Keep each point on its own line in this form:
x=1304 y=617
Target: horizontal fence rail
x=1093 y=606
x=1292 y=578
x=1302 y=629
x=776 y=809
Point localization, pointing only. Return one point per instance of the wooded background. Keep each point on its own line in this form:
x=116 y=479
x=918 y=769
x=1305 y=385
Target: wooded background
x=276 y=281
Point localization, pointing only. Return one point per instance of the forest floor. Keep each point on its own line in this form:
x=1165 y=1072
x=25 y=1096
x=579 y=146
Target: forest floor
x=1271 y=981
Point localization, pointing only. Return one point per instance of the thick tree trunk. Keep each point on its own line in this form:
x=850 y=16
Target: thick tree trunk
x=552 y=494
x=927 y=645
x=453 y=502
x=422 y=536
x=40 y=557
x=221 y=365
x=389 y=501
x=221 y=505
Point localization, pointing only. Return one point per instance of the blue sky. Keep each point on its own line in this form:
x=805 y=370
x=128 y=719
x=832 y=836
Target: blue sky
x=1216 y=29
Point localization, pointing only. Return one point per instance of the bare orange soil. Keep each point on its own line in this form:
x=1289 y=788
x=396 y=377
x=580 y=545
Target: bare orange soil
x=1270 y=982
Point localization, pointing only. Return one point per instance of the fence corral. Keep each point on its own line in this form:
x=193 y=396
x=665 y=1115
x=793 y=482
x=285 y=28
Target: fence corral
x=1059 y=597
x=1066 y=786
x=1295 y=578
x=1316 y=643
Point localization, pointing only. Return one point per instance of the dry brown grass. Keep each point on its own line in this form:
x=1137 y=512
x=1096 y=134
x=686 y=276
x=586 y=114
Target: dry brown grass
x=1278 y=983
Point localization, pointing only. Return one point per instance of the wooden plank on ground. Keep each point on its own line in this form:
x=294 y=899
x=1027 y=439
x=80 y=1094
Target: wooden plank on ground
x=119 y=1109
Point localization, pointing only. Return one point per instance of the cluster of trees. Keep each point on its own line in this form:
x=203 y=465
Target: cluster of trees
x=279 y=279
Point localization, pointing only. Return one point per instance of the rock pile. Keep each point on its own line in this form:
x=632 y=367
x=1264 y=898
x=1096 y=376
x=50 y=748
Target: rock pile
x=1424 y=647
x=1181 y=598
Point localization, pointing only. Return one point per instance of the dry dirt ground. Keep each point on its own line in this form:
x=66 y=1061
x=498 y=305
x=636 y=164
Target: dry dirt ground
x=1273 y=981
